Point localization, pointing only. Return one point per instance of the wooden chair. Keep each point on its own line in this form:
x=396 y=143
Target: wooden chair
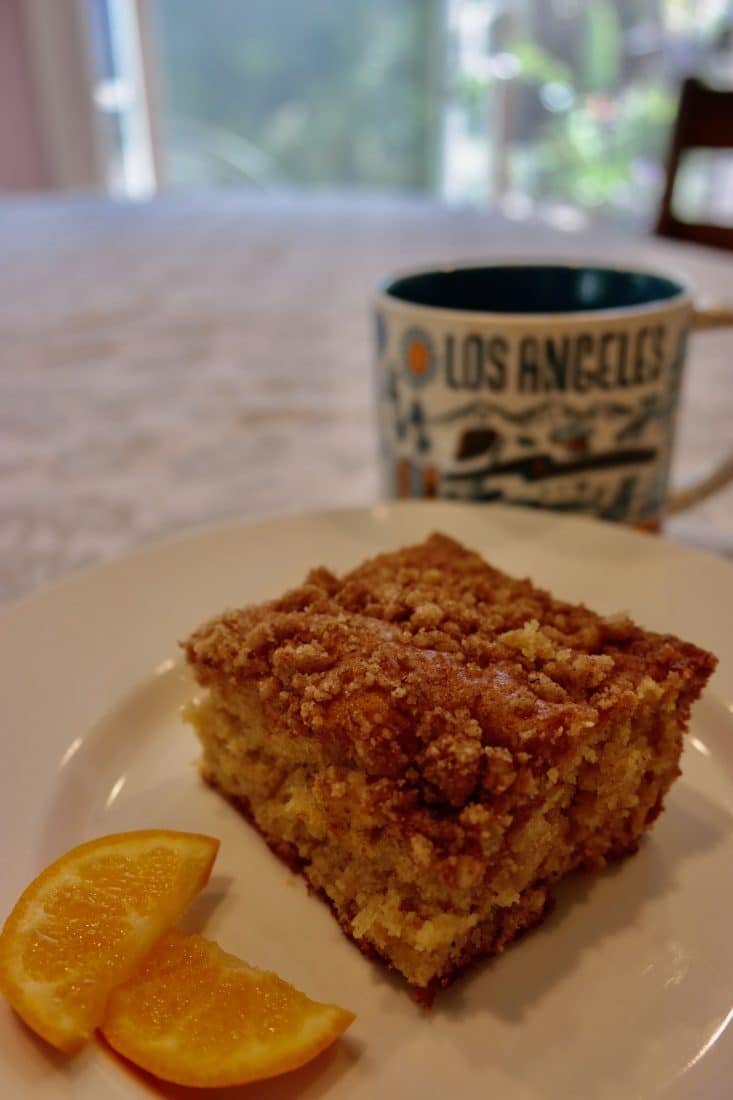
x=704 y=121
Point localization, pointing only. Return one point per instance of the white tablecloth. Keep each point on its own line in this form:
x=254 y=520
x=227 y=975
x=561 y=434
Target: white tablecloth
x=204 y=358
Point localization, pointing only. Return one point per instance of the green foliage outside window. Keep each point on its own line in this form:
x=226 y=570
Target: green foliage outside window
x=561 y=100
x=304 y=91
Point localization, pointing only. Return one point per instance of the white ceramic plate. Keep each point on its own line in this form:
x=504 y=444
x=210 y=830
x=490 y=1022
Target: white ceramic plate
x=626 y=989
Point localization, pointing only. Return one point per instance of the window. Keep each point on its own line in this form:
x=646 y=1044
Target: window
x=571 y=101
x=558 y=105
x=276 y=91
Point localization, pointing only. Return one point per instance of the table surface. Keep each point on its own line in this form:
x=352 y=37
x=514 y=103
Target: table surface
x=205 y=358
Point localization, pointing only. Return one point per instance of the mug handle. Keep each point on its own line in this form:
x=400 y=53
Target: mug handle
x=705 y=317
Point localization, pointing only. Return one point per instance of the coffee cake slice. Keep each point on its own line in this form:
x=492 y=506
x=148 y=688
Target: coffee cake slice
x=434 y=744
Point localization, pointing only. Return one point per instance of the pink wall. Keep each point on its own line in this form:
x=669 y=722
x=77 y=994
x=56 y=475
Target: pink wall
x=22 y=164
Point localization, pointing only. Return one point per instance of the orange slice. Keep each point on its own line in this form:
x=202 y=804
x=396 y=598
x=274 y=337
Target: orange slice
x=195 y=1015
x=85 y=923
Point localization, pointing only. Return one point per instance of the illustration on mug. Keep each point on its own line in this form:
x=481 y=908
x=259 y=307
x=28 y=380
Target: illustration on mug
x=606 y=455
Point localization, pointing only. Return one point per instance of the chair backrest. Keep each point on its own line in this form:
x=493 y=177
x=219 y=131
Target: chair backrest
x=704 y=121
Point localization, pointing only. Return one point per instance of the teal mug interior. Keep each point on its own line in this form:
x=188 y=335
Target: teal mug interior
x=532 y=288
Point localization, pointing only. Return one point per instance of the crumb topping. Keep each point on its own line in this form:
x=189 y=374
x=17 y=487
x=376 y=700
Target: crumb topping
x=430 y=667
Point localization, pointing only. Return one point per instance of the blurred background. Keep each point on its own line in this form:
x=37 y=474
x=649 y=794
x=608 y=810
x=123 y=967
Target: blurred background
x=561 y=108
x=197 y=198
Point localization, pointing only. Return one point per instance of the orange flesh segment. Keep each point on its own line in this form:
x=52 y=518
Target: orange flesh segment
x=87 y=921
x=197 y=1016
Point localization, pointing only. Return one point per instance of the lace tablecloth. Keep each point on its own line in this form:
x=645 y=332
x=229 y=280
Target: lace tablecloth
x=199 y=359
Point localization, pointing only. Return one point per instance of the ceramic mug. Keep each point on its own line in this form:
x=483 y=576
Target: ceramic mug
x=545 y=384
